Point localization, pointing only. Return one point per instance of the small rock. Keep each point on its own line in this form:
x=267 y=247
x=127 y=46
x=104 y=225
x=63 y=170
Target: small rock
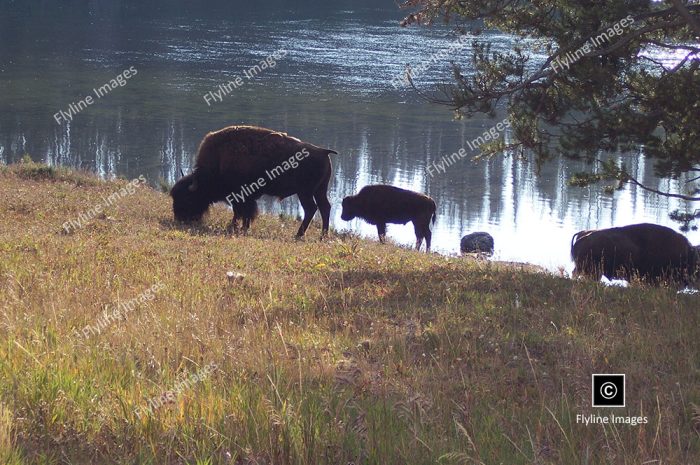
x=234 y=276
x=477 y=242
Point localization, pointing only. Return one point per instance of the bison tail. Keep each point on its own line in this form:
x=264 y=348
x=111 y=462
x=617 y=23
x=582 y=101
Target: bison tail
x=434 y=217
x=575 y=238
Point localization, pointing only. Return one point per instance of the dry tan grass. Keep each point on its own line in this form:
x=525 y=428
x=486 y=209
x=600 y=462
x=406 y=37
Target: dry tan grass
x=6 y=441
x=327 y=352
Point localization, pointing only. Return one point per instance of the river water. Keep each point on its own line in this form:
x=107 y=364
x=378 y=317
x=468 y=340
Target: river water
x=333 y=87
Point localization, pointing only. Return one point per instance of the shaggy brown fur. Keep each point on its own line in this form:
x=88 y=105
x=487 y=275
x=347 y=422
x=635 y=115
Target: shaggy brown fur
x=651 y=252
x=239 y=164
x=383 y=204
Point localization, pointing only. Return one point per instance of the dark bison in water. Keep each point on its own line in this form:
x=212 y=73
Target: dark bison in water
x=239 y=164
x=382 y=204
x=650 y=252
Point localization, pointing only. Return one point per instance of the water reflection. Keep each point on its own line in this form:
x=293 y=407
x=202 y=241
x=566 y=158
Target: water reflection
x=333 y=89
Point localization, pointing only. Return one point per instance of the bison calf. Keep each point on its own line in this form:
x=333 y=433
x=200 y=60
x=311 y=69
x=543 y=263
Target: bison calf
x=651 y=252
x=382 y=204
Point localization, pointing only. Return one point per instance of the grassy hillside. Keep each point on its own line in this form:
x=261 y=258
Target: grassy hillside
x=335 y=352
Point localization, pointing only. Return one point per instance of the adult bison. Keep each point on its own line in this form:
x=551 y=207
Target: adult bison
x=382 y=204
x=239 y=164
x=651 y=252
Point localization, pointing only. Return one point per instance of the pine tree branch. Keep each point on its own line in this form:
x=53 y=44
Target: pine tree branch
x=689 y=18
x=631 y=180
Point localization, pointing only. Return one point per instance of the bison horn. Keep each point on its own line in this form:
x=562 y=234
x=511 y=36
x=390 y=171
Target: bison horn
x=193 y=186
x=182 y=173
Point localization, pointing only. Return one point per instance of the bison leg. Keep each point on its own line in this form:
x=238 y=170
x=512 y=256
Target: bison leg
x=309 y=206
x=381 y=231
x=233 y=226
x=246 y=225
x=422 y=230
x=324 y=206
x=419 y=236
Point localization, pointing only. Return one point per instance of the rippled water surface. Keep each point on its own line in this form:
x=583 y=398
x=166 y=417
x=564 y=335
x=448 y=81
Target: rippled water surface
x=332 y=88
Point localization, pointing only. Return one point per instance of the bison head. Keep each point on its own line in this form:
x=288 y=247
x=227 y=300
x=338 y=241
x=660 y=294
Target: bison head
x=190 y=201
x=349 y=209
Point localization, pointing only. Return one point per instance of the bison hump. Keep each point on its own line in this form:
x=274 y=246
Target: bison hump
x=245 y=148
